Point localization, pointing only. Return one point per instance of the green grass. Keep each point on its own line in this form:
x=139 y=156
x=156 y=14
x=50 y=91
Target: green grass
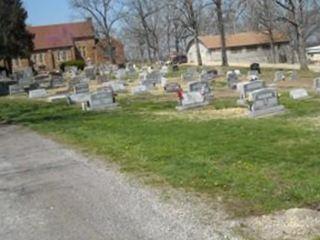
x=257 y=166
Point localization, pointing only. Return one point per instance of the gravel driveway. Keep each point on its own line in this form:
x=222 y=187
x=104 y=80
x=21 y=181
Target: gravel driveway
x=50 y=192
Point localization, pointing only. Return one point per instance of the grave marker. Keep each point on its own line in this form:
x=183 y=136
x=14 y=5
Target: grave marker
x=38 y=93
x=299 y=94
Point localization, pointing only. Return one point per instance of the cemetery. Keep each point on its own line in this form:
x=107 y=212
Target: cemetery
x=220 y=120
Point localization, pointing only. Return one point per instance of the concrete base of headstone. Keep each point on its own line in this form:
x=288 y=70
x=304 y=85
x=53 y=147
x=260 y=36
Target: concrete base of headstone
x=99 y=108
x=78 y=98
x=192 y=106
x=58 y=98
x=268 y=112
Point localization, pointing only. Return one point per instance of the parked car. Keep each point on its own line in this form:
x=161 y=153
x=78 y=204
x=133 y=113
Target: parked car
x=179 y=59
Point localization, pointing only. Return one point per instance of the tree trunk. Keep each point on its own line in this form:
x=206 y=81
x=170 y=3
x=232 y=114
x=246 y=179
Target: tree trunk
x=224 y=56
x=199 y=58
x=272 y=47
x=8 y=65
x=302 y=54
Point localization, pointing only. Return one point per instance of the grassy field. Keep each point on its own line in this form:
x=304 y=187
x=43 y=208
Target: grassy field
x=256 y=166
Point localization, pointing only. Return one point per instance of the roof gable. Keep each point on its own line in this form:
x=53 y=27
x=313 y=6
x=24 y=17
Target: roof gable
x=241 y=40
x=60 y=35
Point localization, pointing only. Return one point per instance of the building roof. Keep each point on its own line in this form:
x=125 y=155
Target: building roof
x=241 y=40
x=60 y=35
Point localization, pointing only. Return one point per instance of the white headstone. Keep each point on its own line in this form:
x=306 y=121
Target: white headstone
x=38 y=93
x=299 y=94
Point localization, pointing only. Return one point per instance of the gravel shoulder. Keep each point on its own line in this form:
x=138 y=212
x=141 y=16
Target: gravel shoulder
x=48 y=191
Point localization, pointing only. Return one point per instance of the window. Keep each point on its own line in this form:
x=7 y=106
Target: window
x=41 y=58
x=62 y=56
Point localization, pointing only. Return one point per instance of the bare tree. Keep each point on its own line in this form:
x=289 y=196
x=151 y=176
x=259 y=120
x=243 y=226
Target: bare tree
x=302 y=16
x=219 y=11
x=105 y=13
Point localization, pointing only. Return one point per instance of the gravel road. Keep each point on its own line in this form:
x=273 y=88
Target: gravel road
x=50 y=192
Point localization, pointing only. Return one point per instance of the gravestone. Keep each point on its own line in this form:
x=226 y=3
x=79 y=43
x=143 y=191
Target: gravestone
x=279 y=76
x=207 y=76
x=232 y=79
x=192 y=100
x=38 y=93
x=153 y=77
x=294 y=75
x=190 y=75
x=140 y=89
x=90 y=72
x=317 y=85
x=117 y=86
x=246 y=88
x=81 y=88
x=16 y=89
x=121 y=74
x=203 y=88
x=102 y=79
x=43 y=80
x=172 y=87
x=299 y=94
x=164 y=70
x=253 y=75
x=264 y=102
x=100 y=100
x=57 y=80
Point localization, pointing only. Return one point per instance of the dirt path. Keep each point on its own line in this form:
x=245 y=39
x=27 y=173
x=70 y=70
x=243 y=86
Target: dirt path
x=50 y=192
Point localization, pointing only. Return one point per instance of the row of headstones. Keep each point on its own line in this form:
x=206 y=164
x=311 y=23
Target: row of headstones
x=193 y=75
x=103 y=98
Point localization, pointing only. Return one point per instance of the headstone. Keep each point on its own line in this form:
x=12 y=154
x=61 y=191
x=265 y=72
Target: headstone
x=190 y=75
x=317 y=85
x=253 y=75
x=90 y=72
x=140 y=89
x=203 y=88
x=43 y=80
x=121 y=74
x=16 y=89
x=164 y=70
x=299 y=94
x=57 y=81
x=153 y=77
x=246 y=88
x=207 y=76
x=192 y=100
x=81 y=88
x=264 y=102
x=100 y=100
x=38 y=93
x=279 y=76
x=232 y=79
x=172 y=87
x=294 y=75
x=117 y=86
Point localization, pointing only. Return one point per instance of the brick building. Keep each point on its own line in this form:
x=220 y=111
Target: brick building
x=54 y=44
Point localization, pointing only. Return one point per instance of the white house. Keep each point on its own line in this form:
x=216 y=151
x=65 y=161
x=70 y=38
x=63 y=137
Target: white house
x=247 y=47
x=314 y=54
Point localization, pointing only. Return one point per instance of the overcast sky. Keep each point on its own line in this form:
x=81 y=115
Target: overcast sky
x=42 y=12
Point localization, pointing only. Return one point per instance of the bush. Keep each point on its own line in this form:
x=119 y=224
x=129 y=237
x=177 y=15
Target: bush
x=80 y=64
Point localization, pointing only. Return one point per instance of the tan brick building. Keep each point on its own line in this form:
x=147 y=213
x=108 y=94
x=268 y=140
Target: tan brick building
x=54 y=44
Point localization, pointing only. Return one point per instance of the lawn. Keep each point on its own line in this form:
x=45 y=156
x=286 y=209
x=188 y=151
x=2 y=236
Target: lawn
x=256 y=166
